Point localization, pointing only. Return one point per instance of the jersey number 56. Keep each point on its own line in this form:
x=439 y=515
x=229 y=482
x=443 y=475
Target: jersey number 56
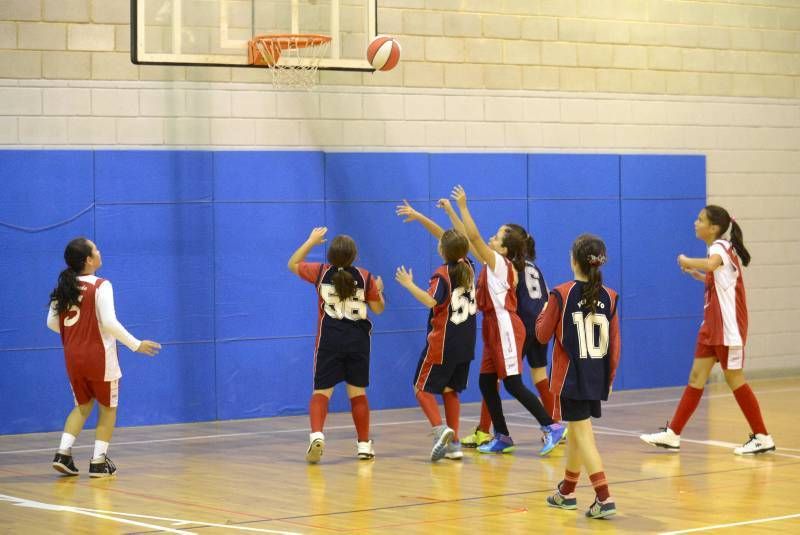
x=463 y=304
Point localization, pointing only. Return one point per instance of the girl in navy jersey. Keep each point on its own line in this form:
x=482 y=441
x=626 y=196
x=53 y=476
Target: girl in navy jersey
x=343 y=334
x=503 y=331
x=82 y=312
x=443 y=366
x=723 y=333
x=531 y=298
x=583 y=316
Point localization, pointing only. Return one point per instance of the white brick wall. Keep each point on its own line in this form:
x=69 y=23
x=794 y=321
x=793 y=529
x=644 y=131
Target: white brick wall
x=653 y=76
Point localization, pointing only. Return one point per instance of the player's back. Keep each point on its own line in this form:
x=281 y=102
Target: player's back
x=583 y=351
x=531 y=294
x=84 y=349
x=452 y=324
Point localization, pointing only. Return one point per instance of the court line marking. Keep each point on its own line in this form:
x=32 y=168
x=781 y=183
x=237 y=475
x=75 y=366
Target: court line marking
x=732 y=525
x=113 y=516
x=383 y=424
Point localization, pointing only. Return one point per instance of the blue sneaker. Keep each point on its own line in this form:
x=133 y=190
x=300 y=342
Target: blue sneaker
x=499 y=444
x=552 y=436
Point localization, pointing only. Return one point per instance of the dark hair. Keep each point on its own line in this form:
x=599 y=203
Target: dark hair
x=717 y=215
x=589 y=252
x=455 y=247
x=341 y=254
x=530 y=243
x=518 y=245
x=67 y=290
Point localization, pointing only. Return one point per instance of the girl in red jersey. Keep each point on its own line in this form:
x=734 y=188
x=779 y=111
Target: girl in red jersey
x=82 y=312
x=443 y=366
x=503 y=331
x=723 y=332
x=583 y=316
x=343 y=336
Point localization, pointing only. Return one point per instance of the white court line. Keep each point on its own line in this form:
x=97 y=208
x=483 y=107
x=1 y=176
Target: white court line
x=384 y=424
x=110 y=515
x=733 y=525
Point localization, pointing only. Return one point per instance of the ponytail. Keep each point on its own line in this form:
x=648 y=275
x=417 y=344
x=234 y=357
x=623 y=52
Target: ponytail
x=589 y=252
x=737 y=240
x=519 y=245
x=67 y=290
x=461 y=275
x=344 y=284
x=341 y=254
x=720 y=217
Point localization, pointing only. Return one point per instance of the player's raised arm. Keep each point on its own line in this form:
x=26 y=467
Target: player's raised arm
x=316 y=237
x=410 y=214
x=445 y=205
x=481 y=249
x=405 y=277
x=375 y=300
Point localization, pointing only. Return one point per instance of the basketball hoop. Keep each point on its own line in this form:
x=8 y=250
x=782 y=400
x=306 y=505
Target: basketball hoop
x=293 y=59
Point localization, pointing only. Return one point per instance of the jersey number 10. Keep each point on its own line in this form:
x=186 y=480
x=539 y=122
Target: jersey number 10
x=592 y=334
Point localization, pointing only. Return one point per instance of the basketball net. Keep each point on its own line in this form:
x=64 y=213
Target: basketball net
x=292 y=59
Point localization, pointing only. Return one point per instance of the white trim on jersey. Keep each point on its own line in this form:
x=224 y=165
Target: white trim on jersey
x=725 y=278
x=497 y=284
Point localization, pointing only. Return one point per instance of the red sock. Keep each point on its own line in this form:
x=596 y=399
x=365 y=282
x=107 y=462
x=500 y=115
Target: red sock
x=600 y=486
x=318 y=411
x=429 y=406
x=486 y=419
x=452 y=409
x=749 y=404
x=570 y=482
x=547 y=398
x=689 y=402
x=360 y=409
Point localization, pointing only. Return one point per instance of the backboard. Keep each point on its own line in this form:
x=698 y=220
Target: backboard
x=215 y=32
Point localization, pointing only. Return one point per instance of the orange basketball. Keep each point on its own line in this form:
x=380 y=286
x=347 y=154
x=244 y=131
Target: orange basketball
x=383 y=53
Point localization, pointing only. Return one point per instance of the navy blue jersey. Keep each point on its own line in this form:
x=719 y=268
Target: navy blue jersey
x=343 y=324
x=451 y=322
x=587 y=346
x=531 y=295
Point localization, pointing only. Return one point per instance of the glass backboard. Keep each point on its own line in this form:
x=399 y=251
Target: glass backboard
x=216 y=32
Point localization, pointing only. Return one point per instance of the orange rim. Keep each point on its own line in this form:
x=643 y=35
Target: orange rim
x=293 y=40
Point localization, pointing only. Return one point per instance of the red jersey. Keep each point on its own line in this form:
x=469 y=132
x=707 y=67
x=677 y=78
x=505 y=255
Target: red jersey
x=87 y=351
x=725 y=310
x=502 y=329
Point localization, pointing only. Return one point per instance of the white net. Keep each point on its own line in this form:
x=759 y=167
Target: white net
x=293 y=59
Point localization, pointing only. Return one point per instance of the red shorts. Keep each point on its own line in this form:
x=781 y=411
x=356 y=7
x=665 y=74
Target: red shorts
x=729 y=358
x=497 y=343
x=105 y=392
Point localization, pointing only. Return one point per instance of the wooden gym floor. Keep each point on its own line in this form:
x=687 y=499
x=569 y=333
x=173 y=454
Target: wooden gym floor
x=250 y=476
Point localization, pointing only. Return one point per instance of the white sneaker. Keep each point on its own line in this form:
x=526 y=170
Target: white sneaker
x=365 y=450
x=454 y=451
x=442 y=435
x=316 y=446
x=666 y=438
x=757 y=443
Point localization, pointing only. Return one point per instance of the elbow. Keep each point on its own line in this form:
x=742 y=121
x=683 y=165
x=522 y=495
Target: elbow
x=292 y=266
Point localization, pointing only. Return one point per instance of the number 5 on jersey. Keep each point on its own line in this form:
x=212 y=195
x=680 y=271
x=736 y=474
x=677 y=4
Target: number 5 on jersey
x=463 y=304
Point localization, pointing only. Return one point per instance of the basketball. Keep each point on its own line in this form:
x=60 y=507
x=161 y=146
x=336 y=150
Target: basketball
x=383 y=53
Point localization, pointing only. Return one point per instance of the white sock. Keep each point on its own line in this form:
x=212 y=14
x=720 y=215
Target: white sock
x=100 y=448
x=67 y=441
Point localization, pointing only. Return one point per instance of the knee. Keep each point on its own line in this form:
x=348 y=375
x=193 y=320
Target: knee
x=487 y=383
x=514 y=385
x=734 y=378
x=697 y=378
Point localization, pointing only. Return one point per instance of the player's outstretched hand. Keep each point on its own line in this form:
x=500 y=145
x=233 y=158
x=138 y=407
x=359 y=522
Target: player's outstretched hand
x=317 y=235
x=149 y=348
x=460 y=196
x=445 y=205
x=404 y=277
x=379 y=283
x=695 y=274
x=407 y=211
x=682 y=262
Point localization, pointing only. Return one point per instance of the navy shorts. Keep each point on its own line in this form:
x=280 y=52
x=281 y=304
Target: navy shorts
x=535 y=352
x=434 y=378
x=333 y=367
x=575 y=410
